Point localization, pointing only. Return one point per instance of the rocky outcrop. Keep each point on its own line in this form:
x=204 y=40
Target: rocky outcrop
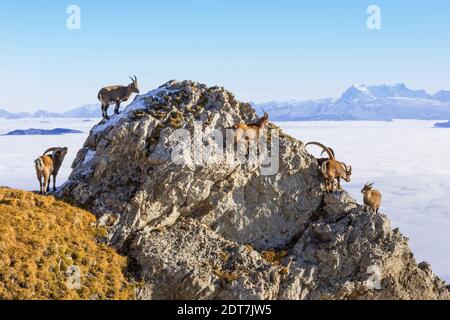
x=223 y=230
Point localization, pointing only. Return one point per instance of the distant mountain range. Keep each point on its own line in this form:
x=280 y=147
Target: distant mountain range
x=360 y=102
x=87 y=111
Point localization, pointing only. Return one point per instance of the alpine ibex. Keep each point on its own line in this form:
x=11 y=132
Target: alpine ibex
x=44 y=169
x=49 y=165
x=372 y=197
x=117 y=95
x=320 y=161
x=58 y=158
x=251 y=131
x=332 y=169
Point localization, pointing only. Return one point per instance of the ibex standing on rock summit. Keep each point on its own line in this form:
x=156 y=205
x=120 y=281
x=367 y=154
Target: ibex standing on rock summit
x=47 y=166
x=116 y=94
x=332 y=169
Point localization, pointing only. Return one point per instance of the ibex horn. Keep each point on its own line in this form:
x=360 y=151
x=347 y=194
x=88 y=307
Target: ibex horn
x=331 y=150
x=51 y=150
x=348 y=169
x=330 y=154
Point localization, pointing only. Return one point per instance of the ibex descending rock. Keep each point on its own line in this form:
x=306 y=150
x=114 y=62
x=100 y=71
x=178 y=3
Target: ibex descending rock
x=320 y=161
x=332 y=169
x=116 y=94
x=372 y=197
x=49 y=165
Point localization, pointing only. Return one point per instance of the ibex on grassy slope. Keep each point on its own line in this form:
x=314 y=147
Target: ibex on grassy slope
x=58 y=158
x=372 y=197
x=332 y=169
x=117 y=95
x=47 y=166
x=44 y=169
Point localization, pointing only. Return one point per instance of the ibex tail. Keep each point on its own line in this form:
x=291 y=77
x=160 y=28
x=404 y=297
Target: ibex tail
x=39 y=164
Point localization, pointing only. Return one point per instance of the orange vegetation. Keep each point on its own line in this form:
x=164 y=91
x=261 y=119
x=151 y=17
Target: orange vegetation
x=49 y=250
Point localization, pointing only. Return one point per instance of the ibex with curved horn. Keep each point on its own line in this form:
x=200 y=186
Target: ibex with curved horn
x=372 y=197
x=117 y=95
x=332 y=169
x=320 y=161
x=49 y=165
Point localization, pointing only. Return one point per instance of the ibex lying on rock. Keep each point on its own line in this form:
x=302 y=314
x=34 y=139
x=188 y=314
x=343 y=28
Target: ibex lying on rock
x=251 y=131
x=332 y=169
x=47 y=166
x=116 y=94
x=372 y=197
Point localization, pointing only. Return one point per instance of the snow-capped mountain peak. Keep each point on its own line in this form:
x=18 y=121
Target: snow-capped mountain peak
x=357 y=93
x=361 y=102
x=397 y=90
x=362 y=93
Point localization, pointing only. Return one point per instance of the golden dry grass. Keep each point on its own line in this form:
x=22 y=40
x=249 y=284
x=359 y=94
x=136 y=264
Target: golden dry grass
x=42 y=240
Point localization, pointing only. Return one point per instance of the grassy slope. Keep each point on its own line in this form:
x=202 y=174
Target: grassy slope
x=43 y=244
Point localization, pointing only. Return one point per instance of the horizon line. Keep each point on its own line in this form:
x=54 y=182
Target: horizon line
x=251 y=101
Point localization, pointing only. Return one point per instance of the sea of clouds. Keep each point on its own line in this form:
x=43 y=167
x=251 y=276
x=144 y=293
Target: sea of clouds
x=408 y=161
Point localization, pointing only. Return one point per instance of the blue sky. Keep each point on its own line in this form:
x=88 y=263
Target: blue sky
x=261 y=50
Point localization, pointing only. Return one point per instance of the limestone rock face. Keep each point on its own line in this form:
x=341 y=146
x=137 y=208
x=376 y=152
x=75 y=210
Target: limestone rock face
x=220 y=228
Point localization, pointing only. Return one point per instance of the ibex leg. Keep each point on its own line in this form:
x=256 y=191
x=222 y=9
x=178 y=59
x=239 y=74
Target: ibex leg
x=46 y=183
x=105 y=111
x=116 y=110
x=54 y=183
x=40 y=184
